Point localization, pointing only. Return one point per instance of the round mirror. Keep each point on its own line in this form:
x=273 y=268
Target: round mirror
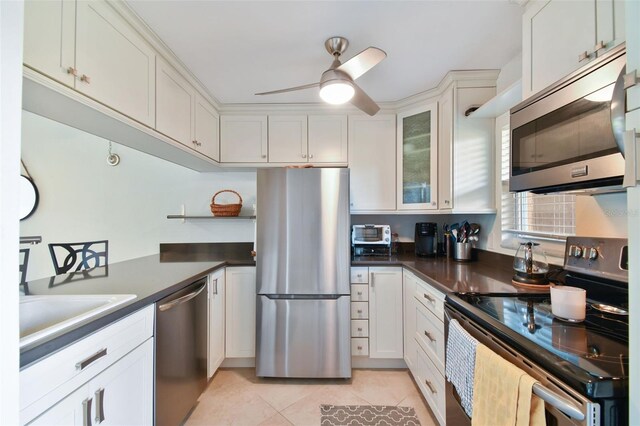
x=28 y=197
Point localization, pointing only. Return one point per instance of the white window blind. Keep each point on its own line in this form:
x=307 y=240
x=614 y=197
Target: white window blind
x=531 y=216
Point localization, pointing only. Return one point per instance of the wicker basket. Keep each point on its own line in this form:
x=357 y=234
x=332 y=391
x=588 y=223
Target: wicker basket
x=225 y=209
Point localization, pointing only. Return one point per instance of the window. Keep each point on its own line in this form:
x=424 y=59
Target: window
x=548 y=219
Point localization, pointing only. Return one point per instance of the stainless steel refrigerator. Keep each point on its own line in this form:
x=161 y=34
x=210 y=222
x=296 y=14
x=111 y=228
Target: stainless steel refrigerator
x=303 y=259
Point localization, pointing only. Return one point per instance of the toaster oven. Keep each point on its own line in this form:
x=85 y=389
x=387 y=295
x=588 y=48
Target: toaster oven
x=372 y=240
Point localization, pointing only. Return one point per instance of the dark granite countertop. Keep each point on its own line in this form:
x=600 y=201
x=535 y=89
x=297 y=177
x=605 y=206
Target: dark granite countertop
x=490 y=273
x=149 y=278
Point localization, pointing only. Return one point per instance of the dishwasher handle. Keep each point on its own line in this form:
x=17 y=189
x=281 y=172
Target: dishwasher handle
x=181 y=300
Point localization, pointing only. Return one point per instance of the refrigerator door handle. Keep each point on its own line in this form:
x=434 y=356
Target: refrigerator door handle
x=303 y=296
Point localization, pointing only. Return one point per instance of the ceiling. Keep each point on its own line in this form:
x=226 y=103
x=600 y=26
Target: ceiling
x=238 y=48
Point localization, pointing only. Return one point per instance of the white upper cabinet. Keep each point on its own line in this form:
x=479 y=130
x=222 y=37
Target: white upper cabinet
x=207 y=129
x=116 y=66
x=49 y=38
x=418 y=158
x=472 y=154
x=372 y=160
x=328 y=139
x=445 y=146
x=288 y=139
x=553 y=47
x=183 y=114
x=175 y=102
x=243 y=138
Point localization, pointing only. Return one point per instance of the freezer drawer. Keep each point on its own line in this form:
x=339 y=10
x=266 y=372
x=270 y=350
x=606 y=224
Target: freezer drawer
x=303 y=337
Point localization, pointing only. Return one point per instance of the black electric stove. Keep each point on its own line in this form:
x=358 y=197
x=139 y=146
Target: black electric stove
x=591 y=356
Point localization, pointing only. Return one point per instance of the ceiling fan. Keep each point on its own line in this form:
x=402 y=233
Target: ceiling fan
x=336 y=84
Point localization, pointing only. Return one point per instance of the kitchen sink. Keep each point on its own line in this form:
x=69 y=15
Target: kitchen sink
x=41 y=316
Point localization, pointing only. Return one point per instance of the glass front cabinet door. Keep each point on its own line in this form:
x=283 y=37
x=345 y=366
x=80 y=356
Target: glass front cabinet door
x=417 y=158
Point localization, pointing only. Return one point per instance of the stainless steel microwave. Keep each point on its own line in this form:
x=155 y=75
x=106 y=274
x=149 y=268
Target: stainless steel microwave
x=570 y=135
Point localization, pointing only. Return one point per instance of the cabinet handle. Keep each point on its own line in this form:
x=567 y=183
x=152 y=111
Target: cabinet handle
x=194 y=142
x=583 y=56
x=215 y=286
x=359 y=311
x=72 y=71
x=359 y=348
x=429 y=298
x=86 y=412
x=630 y=79
x=359 y=275
x=310 y=155
x=199 y=143
x=429 y=336
x=99 y=405
x=430 y=386
x=359 y=293
x=599 y=46
x=264 y=156
x=446 y=201
x=359 y=328
x=304 y=155
x=372 y=279
x=433 y=203
x=87 y=361
x=85 y=78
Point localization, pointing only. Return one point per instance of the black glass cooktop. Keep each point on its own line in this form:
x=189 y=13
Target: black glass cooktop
x=591 y=355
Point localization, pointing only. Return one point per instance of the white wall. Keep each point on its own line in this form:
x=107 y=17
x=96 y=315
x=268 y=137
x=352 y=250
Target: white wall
x=82 y=198
x=11 y=24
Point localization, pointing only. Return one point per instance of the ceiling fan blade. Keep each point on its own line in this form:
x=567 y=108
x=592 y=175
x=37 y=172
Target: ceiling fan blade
x=363 y=102
x=363 y=62
x=290 y=89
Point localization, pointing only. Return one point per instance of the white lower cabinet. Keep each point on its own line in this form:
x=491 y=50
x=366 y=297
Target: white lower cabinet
x=105 y=378
x=431 y=384
x=216 y=321
x=424 y=340
x=409 y=312
x=240 y=340
x=122 y=394
x=385 y=312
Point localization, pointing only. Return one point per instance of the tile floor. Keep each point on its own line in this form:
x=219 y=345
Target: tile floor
x=236 y=396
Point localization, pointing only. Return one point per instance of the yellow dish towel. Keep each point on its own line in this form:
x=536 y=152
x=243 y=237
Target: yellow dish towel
x=502 y=393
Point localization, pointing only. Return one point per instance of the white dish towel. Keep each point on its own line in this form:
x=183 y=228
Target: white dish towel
x=461 y=361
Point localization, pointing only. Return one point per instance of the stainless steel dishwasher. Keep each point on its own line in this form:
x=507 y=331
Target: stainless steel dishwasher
x=181 y=353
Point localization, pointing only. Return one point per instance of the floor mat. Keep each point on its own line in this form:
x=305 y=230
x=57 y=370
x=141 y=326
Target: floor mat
x=354 y=415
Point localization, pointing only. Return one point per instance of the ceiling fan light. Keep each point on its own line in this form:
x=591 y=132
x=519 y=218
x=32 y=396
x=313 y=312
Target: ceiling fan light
x=337 y=92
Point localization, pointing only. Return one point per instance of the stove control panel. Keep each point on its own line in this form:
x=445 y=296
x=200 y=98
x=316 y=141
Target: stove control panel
x=598 y=257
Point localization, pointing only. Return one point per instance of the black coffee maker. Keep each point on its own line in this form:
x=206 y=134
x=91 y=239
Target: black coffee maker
x=426 y=239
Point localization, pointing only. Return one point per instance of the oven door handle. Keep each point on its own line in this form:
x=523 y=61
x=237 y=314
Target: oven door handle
x=559 y=402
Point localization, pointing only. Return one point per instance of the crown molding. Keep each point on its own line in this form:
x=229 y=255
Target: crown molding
x=461 y=78
x=129 y=15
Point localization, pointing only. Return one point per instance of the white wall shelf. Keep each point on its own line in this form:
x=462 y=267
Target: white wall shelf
x=183 y=217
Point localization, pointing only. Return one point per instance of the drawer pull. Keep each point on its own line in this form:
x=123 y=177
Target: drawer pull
x=100 y=406
x=359 y=293
x=430 y=386
x=359 y=328
x=86 y=412
x=429 y=336
x=429 y=298
x=359 y=348
x=359 y=275
x=86 y=362
x=359 y=311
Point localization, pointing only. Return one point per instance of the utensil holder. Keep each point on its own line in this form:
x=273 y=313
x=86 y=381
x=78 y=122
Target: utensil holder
x=462 y=251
